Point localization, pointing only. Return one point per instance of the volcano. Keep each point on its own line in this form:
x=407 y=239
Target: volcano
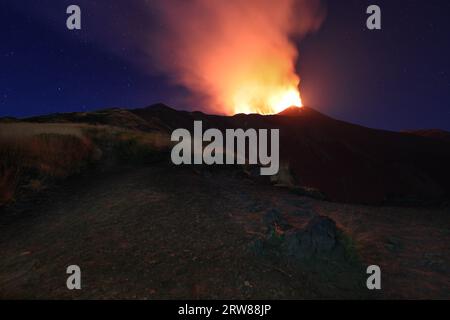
x=346 y=162
x=101 y=186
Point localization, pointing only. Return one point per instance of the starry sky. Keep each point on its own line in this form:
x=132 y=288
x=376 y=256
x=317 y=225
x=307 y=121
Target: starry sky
x=396 y=78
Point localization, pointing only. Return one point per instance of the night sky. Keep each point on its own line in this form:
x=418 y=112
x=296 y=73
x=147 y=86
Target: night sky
x=397 y=78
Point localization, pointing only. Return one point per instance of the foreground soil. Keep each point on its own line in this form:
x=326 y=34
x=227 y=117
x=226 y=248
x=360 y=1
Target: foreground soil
x=162 y=232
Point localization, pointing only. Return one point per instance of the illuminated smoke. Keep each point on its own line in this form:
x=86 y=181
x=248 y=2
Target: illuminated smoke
x=238 y=55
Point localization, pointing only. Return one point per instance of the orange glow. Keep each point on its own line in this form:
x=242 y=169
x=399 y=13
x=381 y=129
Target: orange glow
x=235 y=56
x=266 y=100
x=264 y=83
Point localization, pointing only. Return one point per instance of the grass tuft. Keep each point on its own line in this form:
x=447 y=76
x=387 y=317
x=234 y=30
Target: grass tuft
x=32 y=153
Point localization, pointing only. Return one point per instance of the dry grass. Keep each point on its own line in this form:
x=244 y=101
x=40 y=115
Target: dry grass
x=32 y=153
x=23 y=130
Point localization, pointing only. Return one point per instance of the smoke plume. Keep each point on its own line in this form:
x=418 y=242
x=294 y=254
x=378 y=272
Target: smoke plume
x=237 y=55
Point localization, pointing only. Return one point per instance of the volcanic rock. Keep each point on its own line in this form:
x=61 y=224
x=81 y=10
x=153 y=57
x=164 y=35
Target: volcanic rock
x=319 y=238
x=273 y=218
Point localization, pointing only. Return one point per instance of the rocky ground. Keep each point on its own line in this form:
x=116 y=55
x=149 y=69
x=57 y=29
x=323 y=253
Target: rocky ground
x=161 y=232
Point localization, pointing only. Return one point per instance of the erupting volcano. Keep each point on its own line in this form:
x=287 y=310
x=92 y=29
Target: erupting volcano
x=235 y=56
x=265 y=93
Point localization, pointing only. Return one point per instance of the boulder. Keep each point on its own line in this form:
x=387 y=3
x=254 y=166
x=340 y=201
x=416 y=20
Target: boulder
x=318 y=239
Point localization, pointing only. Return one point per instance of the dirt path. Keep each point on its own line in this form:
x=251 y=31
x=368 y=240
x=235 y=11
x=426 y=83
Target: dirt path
x=158 y=233
x=411 y=245
x=142 y=233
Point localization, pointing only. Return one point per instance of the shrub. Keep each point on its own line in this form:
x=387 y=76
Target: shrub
x=26 y=156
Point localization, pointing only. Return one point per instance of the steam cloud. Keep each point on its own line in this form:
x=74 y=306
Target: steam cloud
x=232 y=51
x=232 y=55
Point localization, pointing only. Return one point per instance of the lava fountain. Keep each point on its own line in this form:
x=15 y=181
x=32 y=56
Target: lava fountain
x=263 y=95
x=235 y=56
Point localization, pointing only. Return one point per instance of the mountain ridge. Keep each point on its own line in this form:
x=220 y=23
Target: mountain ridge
x=348 y=162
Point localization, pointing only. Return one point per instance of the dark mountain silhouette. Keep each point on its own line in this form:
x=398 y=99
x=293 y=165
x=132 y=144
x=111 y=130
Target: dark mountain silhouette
x=347 y=162
x=101 y=184
x=432 y=133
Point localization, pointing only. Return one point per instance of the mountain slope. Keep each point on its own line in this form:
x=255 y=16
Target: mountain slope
x=432 y=133
x=347 y=162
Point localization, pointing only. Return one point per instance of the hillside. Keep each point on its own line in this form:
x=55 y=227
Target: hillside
x=98 y=189
x=346 y=162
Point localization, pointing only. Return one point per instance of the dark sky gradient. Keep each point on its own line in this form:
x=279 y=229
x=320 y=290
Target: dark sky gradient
x=397 y=78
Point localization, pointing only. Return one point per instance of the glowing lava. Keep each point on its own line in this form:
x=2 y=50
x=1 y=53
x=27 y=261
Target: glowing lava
x=235 y=56
x=270 y=101
x=265 y=88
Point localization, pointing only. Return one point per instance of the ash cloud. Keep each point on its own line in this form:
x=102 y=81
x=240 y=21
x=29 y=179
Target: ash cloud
x=220 y=50
x=214 y=47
